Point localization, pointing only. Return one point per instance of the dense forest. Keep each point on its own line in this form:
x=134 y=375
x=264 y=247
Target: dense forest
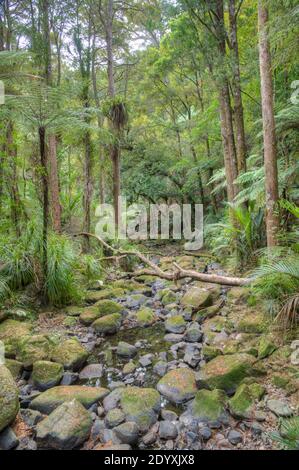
x=112 y=342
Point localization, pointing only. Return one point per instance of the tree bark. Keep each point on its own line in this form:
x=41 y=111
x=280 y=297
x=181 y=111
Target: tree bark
x=270 y=145
x=15 y=202
x=239 y=114
x=45 y=202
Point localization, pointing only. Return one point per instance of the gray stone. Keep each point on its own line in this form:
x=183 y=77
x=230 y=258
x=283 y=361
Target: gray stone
x=114 y=418
x=91 y=371
x=173 y=338
x=193 y=333
x=169 y=415
x=31 y=417
x=167 y=430
x=146 y=360
x=205 y=433
x=295 y=357
x=279 y=408
x=160 y=368
x=69 y=378
x=235 y=437
x=8 y=439
x=126 y=350
x=127 y=432
x=110 y=401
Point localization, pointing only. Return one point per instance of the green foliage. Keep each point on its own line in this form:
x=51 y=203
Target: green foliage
x=288 y=437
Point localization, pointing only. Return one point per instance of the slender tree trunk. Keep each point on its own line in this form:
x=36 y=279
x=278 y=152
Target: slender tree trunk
x=15 y=202
x=45 y=202
x=270 y=150
x=239 y=114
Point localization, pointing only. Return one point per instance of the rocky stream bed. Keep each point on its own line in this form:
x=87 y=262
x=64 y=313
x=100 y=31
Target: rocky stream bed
x=146 y=363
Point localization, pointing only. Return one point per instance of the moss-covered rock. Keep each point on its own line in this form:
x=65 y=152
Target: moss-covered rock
x=217 y=324
x=70 y=353
x=178 y=385
x=125 y=349
x=46 y=374
x=47 y=401
x=241 y=405
x=107 y=325
x=210 y=352
x=209 y=405
x=90 y=314
x=140 y=405
x=144 y=317
x=128 y=286
x=15 y=367
x=238 y=295
x=168 y=297
x=70 y=321
x=33 y=348
x=97 y=295
x=206 y=313
x=129 y=368
x=66 y=428
x=107 y=307
x=11 y=331
x=227 y=372
x=252 y=322
x=175 y=324
x=197 y=298
x=9 y=398
x=266 y=347
x=73 y=310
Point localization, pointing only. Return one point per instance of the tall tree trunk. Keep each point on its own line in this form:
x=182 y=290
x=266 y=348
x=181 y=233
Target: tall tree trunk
x=45 y=202
x=226 y=119
x=270 y=150
x=54 y=191
x=15 y=202
x=239 y=114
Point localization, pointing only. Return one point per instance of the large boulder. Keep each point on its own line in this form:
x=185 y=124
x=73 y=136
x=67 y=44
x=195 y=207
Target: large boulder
x=11 y=332
x=226 y=372
x=242 y=403
x=107 y=325
x=178 y=385
x=197 y=298
x=47 y=401
x=46 y=374
x=9 y=398
x=141 y=406
x=107 y=307
x=208 y=405
x=70 y=353
x=65 y=428
x=33 y=348
x=175 y=324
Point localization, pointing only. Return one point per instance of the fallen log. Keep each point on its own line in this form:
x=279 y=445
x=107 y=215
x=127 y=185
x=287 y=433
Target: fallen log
x=176 y=274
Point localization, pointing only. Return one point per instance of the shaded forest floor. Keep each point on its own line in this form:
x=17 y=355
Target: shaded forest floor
x=140 y=355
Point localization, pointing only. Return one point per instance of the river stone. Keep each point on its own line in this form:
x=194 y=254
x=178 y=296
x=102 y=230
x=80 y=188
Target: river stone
x=71 y=354
x=8 y=439
x=226 y=372
x=114 y=417
x=98 y=295
x=127 y=432
x=46 y=374
x=193 y=333
x=208 y=406
x=168 y=297
x=67 y=427
x=279 y=408
x=178 y=385
x=91 y=371
x=173 y=338
x=33 y=348
x=197 y=298
x=140 y=405
x=9 y=398
x=107 y=325
x=11 y=331
x=15 y=367
x=241 y=404
x=235 y=437
x=47 y=401
x=160 y=368
x=143 y=317
x=167 y=430
x=175 y=324
x=89 y=315
x=129 y=368
x=126 y=350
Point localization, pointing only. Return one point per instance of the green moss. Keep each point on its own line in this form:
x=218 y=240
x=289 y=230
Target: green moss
x=33 y=348
x=70 y=321
x=11 y=331
x=241 y=405
x=266 y=347
x=210 y=352
x=252 y=322
x=95 y=296
x=70 y=353
x=140 y=405
x=168 y=297
x=144 y=317
x=15 y=367
x=9 y=398
x=90 y=314
x=46 y=374
x=175 y=324
x=280 y=381
x=197 y=298
x=209 y=405
x=106 y=307
x=109 y=324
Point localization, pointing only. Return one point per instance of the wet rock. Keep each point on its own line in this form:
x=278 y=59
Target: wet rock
x=146 y=360
x=235 y=437
x=107 y=325
x=136 y=300
x=114 y=418
x=91 y=371
x=167 y=430
x=175 y=324
x=70 y=353
x=127 y=432
x=141 y=405
x=47 y=401
x=197 y=298
x=178 y=385
x=33 y=348
x=160 y=368
x=46 y=374
x=151 y=436
x=279 y=408
x=9 y=398
x=227 y=372
x=126 y=349
x=67 y=427
x=8 y=439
